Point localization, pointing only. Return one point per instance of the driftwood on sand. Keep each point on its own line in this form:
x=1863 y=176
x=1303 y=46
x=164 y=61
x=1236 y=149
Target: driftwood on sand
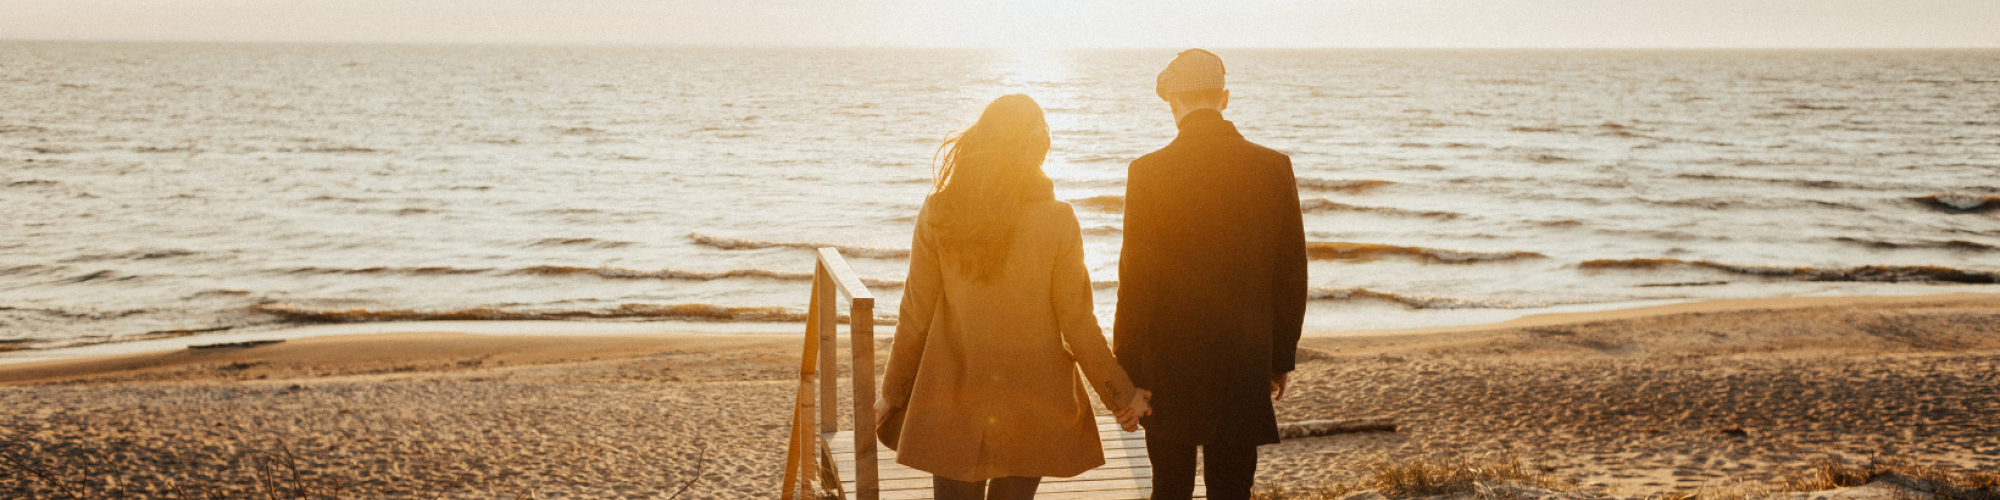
x=1317 y=428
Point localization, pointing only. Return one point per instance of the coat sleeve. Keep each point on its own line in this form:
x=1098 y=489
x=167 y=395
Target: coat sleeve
x=1071 y=292
x=1288 y=276
x=922 y=289
x=1129 y=323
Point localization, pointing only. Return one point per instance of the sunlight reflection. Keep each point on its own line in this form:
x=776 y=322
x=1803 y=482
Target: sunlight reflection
x=1047 y=76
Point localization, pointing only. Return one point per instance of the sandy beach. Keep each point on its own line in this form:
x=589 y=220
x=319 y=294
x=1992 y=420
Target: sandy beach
x=1629 y=403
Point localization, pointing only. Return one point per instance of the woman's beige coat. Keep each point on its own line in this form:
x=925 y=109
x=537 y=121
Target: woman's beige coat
x=988 y=371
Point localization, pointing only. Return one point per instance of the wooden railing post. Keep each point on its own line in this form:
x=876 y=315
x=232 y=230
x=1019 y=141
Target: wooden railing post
x=829 y=386
x=802 y=457
x=862 y=328
x=819 y=380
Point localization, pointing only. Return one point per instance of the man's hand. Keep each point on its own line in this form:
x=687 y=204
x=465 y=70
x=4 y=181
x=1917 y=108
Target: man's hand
x=881 y=411
x=1140 y=406
x=1278 y=381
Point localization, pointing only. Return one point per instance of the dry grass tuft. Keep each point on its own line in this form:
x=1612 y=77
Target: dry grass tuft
x=1924 y=478
x=1326 y=492
x=1430 y=477
x=1451 y=476
x=276 y=473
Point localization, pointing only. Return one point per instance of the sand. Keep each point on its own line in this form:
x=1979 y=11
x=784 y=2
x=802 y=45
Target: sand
x=1729 y=394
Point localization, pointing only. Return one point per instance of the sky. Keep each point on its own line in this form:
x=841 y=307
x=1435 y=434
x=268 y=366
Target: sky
x=1029 y=23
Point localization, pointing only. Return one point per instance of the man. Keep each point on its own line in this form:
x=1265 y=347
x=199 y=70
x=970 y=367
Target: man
x=1212 y=288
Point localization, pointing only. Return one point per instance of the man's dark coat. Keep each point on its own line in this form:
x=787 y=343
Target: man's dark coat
x=1211 y=282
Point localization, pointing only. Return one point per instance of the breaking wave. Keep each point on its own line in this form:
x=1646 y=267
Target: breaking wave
x=599 y=272
x=694 y=312
x=1888 y=274
x=1340 y=185
x=845 y=250
x=1960 y=203
x=1803 y=183
x=1321 y=250
x=1947 y=245
x=591 y=242
x=413 y=271
x=1325 y=205
x=676 y=274
x=1110 y=203
x=1417 y=301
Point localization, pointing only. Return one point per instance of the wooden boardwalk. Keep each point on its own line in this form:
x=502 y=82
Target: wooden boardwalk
x=1126 y=474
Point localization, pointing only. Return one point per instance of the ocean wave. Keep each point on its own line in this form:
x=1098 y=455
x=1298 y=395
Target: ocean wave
x=91 y=315
x=845 y=250
x=133 y=255
x=1110 y=203
x=1960 y=203
x=1340 y=184
x=696 y=312
x=591 y=242
x=1946 y=245
x=105 y=275
x=598 y=272
x=30 y=270
x=675 y=274
x=1321 y=250
x=1325 y=205
x=1804 y=183
x=415 y=271
x=33 y=183
x=336 y=149
x=1417 y=301
x=1888 y=274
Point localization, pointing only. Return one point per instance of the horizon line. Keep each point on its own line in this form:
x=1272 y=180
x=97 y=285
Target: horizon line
x=962 y=47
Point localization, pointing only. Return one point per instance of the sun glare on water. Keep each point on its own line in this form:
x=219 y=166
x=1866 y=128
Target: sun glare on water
x=1045 y=75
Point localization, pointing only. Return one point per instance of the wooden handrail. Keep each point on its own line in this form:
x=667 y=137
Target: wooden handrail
x=832 y=277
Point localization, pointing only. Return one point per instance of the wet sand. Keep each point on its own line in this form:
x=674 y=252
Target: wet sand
x=1706 y=395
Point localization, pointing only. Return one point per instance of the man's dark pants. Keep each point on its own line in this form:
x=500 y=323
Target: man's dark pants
x=1228 y=469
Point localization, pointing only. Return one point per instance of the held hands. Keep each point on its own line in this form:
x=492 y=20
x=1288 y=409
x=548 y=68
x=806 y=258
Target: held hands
x=881 y=411
x=1140 y=406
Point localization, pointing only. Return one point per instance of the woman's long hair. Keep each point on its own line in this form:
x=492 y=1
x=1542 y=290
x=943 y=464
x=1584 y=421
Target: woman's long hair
x=982 y=176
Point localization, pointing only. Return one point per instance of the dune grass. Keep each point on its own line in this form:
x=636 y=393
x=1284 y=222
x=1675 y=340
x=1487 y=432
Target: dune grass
x=1914 y=476
x=1451 y=476
x=276 y=473
x=1507 y=477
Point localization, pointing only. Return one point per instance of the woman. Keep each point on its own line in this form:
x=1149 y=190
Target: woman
x=996 y=318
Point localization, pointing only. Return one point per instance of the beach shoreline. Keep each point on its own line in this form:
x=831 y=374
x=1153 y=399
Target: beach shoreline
x=1685 y=397
x=476 y=332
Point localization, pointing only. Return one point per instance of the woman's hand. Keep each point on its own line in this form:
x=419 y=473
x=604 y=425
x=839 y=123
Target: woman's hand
x=1140 y=406
x=881 y=410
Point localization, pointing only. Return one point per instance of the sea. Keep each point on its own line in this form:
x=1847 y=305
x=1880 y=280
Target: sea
x=195 y=191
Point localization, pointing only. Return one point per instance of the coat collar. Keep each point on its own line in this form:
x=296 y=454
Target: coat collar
x=1206 y=123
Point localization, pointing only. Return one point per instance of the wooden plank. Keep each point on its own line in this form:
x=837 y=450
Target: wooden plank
x=1100 y=489
x=829 y=389
x=862 y=343
x=1108 y=443
x=1126 y=474
x=800 y=462
x=1106 y=432
x=1199 y=492
x=1092 y=476
x=894 y=471
x=1130 y=450
x=891 y=470
x=844 y=275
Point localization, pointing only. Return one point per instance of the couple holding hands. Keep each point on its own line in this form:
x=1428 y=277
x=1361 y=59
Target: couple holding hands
x=997 y=314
